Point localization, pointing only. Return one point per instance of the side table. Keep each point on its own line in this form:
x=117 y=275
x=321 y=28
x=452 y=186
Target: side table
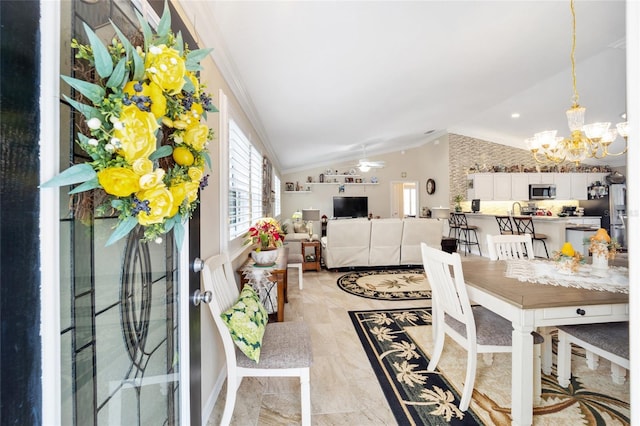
x=311 y=262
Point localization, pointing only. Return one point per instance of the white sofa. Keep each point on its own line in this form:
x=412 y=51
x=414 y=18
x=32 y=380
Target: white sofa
x=378 y=242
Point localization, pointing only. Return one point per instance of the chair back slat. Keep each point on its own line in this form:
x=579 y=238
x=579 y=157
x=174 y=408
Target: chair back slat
x=444 y=272
x=218 y=278
x=505 y=247
x=504 y=224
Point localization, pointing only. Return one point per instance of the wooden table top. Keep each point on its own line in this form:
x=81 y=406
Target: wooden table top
x=490 y=277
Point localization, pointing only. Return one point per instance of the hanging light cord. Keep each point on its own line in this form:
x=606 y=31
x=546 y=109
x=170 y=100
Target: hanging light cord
x=573 y=56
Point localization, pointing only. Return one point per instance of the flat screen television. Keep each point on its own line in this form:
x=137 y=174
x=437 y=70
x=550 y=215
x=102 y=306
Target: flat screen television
x=348 y=207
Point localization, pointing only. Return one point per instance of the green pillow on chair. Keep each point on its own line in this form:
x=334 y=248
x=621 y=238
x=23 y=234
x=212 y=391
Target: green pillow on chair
x=246 y=321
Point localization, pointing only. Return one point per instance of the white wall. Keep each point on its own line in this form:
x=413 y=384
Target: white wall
x=429 y=161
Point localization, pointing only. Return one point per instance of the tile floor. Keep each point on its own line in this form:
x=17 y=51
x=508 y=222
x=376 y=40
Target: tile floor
x=344 y=389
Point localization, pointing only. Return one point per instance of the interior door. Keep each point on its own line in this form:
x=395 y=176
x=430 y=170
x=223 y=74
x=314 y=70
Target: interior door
x=124 y=316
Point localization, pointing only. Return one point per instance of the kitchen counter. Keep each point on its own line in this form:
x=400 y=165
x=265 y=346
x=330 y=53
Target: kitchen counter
x=554 y=227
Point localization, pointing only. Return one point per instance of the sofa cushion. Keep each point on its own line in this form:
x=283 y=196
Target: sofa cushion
x=384 y=247
x=416 y=231
x=347 y=243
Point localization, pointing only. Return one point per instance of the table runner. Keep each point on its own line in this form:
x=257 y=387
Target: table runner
x=546 y=272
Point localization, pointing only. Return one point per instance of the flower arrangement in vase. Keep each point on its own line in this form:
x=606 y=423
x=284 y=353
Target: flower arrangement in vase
x=602 y=248
x=266 y=234
x=143 y=109
x=568 y=260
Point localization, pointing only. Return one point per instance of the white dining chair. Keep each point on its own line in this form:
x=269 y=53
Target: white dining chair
x=606 y=340
x=285 y=350
x=507 y=246
x=475 y=328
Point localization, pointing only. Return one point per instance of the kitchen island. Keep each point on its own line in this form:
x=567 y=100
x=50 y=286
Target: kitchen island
x=554 y=227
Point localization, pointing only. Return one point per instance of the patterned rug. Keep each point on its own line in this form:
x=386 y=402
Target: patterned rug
x=389 y=284
x=398 y=344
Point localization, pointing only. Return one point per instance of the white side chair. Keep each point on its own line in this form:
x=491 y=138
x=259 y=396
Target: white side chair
x=476 y=329
x=506 y=246
x=606 y=340
x=285 y=349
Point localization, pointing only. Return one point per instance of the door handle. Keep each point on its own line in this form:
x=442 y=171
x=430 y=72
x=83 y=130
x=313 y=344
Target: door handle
x=199 y=296
x=197 y=265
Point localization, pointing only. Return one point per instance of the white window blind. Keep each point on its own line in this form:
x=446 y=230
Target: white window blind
x=245 y=182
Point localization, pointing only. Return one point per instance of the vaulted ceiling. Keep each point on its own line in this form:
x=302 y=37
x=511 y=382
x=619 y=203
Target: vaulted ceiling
x=321 y=80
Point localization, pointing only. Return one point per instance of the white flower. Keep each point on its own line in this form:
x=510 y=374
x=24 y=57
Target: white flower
x=115 y=142
x=155 y=50
x=158 y=240
x=152 y=70
x=109 y=148
x=92 y=142
x=94 y=123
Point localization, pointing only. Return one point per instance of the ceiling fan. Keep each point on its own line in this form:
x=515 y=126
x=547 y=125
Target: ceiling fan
x=365 y=165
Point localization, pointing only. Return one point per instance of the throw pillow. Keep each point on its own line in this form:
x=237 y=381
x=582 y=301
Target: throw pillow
x=299 y=227
x=246 y=321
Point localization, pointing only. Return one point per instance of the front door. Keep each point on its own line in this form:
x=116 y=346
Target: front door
x=123 y=307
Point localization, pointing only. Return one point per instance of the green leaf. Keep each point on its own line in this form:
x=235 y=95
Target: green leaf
x=146 y=31
x=74 y=174
x=198 y=55
x=178 y=232
x=192 y=66
x=122 y=230
x=138 y=66
x=123 y=39
x=87 y=110
x=117 y=204
x=169 y=223
x=179 y=43
x=117 y=77
x=188 y=85
x=91 y=91
x=163 y=151
x=90 y=184
x=164 y=26
x=207 y=159
x=101 y=57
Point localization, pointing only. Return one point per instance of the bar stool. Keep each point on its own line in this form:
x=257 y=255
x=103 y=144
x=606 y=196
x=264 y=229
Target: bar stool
x=464 y=233
x=524 y=225
x=505 y=225
x=453 y=226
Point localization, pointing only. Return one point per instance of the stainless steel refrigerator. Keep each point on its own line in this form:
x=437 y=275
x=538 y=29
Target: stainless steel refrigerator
x=609 y=202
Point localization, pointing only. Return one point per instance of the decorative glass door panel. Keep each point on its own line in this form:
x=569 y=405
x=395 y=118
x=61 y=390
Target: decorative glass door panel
x=119 y=303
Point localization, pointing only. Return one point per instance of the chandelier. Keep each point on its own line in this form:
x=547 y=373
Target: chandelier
x=586 y=141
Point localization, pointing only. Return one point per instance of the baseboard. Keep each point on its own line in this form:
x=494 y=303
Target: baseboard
x=208 y=407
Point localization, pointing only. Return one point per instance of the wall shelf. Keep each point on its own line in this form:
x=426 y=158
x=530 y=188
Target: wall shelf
x=340 y=183
x=297 y=192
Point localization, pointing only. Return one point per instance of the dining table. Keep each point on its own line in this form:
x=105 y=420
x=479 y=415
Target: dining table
x=530 y=306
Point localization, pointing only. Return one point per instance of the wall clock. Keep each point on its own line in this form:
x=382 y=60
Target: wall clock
x=431 y=186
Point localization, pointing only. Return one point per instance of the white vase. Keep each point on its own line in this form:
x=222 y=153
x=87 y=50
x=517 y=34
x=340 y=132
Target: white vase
x=599 y=263
x=265 y=257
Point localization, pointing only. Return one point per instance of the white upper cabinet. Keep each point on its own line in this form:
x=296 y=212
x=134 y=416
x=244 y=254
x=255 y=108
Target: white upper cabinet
x=502 y=186
x=520 y=186
x=481 y=186
x=562 y=181
x=579 y=183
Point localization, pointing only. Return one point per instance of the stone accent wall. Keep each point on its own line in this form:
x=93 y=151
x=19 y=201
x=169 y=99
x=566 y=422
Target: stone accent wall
x=465 y=152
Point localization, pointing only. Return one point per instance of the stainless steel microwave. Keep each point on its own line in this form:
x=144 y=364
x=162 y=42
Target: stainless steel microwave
x=542 y=191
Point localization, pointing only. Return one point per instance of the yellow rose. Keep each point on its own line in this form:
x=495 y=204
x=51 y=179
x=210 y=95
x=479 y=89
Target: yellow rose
x=197 y=136
x=160 y=203
x=195 y=173
x=567 y=249
x=154 y=92
x=192 y=190
x=166 y=68
x=151 y=180
x=137 y=135
x=142 y=166
x=179 y=193
x=118 y=181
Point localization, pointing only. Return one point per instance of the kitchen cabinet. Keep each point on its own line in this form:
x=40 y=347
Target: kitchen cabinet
x=502 y=184
x=481 y=186
x=579 y=183
x=562 y=181
x=520 y=186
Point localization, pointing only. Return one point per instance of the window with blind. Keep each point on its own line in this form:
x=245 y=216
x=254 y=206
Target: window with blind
x=245 y=182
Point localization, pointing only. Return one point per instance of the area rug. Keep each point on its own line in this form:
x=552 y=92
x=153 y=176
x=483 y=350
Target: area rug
x=389 y=284
x=398 y=344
